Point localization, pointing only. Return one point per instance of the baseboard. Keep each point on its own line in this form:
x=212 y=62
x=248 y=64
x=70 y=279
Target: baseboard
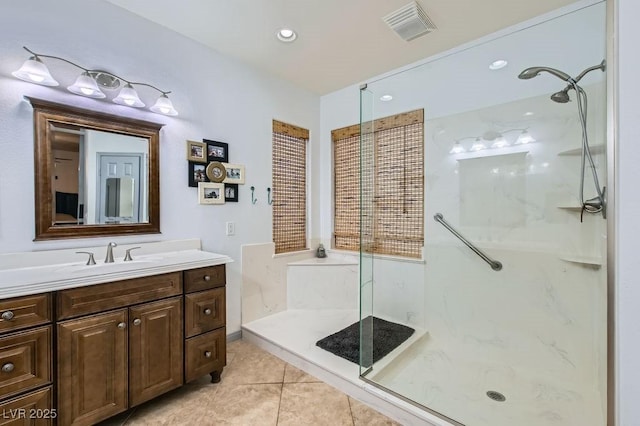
x=236 y=335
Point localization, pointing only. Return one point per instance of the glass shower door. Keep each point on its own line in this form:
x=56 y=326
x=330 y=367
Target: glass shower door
x=508 y=301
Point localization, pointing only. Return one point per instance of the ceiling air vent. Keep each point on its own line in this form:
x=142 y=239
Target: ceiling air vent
x=409 y=22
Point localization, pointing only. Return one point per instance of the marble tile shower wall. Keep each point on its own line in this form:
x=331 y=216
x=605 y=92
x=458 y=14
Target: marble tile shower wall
x=544 y=314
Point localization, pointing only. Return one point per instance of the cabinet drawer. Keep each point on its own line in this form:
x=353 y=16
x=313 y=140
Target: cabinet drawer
x=103 y=297
x=204 y=311
x=205 y=354
x=25 y=311
x=33 y=409
x=204 y=278
x=25 y=360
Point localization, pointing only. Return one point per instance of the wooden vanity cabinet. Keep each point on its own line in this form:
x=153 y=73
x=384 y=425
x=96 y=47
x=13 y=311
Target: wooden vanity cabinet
x=109 y=362
x=25 y=361
x=205 y=321
x=114 y=346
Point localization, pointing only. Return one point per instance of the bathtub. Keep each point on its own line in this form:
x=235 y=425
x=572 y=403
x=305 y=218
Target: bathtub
x=327 y=283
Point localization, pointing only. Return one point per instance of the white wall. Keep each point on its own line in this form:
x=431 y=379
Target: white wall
x=217 y=98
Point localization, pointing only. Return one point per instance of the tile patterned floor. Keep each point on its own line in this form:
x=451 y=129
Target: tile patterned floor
x=256 y=389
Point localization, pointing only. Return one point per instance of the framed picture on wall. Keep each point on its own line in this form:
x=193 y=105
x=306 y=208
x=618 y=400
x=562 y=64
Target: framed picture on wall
x=231 y=192
x=216 y=172
x=197 y=151
x=197 y=173
x=235 y=173
x=210 y=193
x=217 y=151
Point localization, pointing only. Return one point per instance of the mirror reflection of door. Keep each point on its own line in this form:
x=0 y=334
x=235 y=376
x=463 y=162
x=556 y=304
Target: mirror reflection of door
x=66 y=183
x=119 y=188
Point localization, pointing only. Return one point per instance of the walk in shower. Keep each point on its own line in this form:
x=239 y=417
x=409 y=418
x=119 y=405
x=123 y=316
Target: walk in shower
x=508 y=294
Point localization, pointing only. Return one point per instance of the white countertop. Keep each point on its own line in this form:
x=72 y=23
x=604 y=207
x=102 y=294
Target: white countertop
x=23 y=281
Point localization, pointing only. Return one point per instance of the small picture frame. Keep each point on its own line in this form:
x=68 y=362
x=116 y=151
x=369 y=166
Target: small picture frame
x=196 y=151
x=234 y=172
x=231 y=192
x=210 y=193
x=217 y=151
x=216 y=172
x=197 y=173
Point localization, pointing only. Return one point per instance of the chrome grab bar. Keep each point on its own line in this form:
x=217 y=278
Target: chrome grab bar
x=495 y=265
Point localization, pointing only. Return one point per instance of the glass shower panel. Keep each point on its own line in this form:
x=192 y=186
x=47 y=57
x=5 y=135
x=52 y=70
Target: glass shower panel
x=366 y=228
x=524 y=343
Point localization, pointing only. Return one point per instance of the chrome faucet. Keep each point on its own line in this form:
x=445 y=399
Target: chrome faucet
x=109 y=258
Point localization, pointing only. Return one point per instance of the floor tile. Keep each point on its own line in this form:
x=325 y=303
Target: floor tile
x=252 y=365
x=295 y=375
x=315 y=404
x=363 y=415
x=256 y=389
x=253 y=404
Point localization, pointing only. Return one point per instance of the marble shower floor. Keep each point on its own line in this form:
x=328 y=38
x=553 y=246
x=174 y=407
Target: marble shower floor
x=426 y=370
x=256 y=389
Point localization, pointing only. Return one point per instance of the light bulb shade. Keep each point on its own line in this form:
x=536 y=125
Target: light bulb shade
x=500 y=142
x=86 y=86
x=34 y=71
x=164 y=106
x=525 y=138
x=128 y=97
x=457 y=148
x=478 y=146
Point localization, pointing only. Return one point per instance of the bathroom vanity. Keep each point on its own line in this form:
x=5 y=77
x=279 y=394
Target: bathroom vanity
x=119 y=335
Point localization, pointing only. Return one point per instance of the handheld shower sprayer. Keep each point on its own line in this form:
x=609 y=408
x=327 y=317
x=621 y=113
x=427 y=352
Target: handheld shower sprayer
x=535 y=71
x=599 y=202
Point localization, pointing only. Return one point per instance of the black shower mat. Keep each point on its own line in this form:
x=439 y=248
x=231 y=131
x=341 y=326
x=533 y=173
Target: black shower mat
x=346 y=343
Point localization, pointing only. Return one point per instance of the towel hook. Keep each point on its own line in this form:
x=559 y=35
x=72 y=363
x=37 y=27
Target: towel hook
x=253 y=199
x=269 y=200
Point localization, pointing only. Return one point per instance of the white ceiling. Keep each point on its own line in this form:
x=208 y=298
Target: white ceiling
x=340 y=42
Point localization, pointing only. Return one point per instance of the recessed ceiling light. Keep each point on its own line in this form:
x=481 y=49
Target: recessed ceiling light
x=528 y=114
x=286 y=35
x=496 y=65
x=386 y=98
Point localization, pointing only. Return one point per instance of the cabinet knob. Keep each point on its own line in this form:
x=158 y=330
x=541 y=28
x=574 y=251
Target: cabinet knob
x=8 y=367
x=122 y=326
x=137 y=321
x=207 y=354
x=7 y=315
x=207 y=311
x=206 y=278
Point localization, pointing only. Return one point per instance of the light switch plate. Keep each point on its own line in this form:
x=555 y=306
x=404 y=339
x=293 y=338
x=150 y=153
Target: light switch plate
x=230 y=228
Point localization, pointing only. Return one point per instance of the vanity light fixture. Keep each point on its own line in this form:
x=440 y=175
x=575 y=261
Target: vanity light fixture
x=89 y=83
x=286 y=35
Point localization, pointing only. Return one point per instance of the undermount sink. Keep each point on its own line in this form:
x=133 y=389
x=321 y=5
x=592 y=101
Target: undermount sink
x=105 y=268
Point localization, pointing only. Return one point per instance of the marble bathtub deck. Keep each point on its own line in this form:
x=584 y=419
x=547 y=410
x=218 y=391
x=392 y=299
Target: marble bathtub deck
x=257 y=388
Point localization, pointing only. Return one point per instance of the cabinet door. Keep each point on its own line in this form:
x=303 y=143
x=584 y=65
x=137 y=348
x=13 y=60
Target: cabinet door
x=155 y=349
x=204 y=311
x=92 y=368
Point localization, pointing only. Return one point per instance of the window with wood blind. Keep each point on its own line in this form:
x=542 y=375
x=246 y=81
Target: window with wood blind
x=289 y=180
x=392 y=192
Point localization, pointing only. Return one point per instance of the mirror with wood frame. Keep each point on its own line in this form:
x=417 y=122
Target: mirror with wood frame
x=96 y=174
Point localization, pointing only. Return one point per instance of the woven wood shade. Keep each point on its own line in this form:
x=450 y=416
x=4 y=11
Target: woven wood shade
x=289 y=170
x=389 y=164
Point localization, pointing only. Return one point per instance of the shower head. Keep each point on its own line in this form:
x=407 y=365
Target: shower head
x=562 y=97
x=534 y=71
